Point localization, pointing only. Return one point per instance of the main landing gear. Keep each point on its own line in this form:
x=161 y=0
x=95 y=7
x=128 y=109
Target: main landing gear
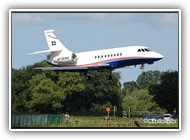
x=109 y=75
x=87 y=75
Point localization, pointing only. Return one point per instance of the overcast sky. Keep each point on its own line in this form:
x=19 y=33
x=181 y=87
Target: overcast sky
x=92 y=31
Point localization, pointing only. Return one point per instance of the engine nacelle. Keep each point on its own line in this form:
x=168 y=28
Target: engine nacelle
x=66 y=59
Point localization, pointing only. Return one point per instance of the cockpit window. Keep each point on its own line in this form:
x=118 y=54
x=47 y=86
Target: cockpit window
x=144 y=50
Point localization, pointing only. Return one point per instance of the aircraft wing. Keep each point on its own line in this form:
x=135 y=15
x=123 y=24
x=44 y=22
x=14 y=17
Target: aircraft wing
x=99 y=66
x=76 y=69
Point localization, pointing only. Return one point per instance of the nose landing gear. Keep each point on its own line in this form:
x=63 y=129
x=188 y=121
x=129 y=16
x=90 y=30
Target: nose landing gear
x=142 y=66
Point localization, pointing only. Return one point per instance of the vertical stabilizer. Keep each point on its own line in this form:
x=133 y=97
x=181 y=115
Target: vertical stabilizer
x=53 y=42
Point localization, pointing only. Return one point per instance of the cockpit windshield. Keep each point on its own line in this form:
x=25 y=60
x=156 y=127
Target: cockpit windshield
x=144 y=50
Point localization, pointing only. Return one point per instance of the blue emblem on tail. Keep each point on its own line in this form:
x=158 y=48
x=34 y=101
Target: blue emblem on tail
x=53 y=43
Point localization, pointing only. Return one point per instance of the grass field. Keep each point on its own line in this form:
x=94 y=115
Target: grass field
x=115 y=122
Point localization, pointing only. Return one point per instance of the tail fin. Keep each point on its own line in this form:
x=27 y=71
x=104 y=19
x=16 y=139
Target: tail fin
x=55 y=46
x=53 y=42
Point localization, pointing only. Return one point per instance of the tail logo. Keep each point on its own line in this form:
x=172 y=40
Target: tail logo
x=53 y=43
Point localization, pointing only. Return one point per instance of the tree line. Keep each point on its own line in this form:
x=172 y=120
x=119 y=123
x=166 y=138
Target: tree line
x=35 y=91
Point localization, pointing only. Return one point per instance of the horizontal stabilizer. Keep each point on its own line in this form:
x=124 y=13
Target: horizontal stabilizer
x=46 y=51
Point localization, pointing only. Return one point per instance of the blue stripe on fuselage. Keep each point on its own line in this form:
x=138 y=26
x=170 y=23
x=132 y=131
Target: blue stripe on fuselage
x=129 y=62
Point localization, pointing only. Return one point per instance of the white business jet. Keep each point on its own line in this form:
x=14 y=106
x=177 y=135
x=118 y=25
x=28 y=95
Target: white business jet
x=100 y=60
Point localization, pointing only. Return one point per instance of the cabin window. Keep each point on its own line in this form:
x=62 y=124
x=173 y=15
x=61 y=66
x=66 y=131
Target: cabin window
x=102 y=56
x=95 y=57
x=114 y=54
x=108 y=55
x=139 y=50
x=98 y=56
x=111 y=55
x=120 y=54
x=105 y=56
x=117 y=54
x=143 y=50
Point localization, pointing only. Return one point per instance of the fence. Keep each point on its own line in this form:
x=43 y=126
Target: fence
x=36 y=120
x=139 y=113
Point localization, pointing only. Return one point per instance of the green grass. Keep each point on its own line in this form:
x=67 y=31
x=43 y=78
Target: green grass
x=115 y=122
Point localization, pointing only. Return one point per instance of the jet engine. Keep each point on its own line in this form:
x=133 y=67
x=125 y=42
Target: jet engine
x=66 y=59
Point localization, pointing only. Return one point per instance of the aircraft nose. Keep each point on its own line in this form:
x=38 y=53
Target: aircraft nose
x=160 y=56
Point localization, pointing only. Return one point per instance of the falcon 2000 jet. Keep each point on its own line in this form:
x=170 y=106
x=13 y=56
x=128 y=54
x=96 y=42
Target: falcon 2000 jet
x=100 y=60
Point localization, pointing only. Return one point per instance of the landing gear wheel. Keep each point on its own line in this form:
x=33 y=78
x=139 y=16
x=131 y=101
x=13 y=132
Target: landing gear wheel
x=142 y=66
x=109 y=77
x=88 y=77
x=143 y=73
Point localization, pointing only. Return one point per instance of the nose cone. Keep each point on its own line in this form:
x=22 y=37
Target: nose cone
x=156 y=56
x=160 y=56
